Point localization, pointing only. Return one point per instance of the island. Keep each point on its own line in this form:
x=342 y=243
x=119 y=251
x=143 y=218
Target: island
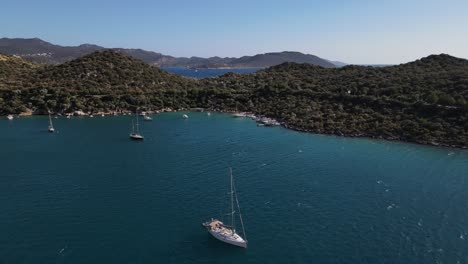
x=424 y=101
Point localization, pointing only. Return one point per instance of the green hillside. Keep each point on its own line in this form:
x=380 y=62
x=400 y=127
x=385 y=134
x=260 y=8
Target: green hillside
x=424 y=101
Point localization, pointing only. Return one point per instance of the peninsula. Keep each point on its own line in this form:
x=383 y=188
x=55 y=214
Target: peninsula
x=424 y=101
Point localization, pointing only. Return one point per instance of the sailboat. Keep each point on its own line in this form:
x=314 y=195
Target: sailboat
x=147 y=118
x=136 y=133
x=239 y=114
x=227 y=233
x=51 y=128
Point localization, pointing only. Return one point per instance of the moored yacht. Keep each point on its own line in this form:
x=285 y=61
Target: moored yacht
x=135 y=134
x=239 y=114
x=227 y=233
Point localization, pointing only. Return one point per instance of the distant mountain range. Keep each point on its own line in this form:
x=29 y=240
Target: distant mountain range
x=40 y=51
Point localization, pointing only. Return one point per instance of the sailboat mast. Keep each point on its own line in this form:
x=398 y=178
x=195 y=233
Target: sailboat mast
x=240 y=215
x=232 y=202
x=50 y=120
x=137 y=128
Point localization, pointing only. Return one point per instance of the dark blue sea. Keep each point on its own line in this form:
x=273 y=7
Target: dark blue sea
x=88 y=194
x=204 y=73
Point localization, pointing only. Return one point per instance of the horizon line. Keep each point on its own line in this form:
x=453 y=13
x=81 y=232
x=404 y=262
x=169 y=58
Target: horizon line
x=333 y=61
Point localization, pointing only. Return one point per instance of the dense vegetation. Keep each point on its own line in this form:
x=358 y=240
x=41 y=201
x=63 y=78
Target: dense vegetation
x=423 y=101
x=13 y=71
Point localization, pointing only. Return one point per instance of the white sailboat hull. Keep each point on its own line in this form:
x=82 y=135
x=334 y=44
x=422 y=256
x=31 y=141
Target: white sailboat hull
x=239 y=115
x=229 y=239
x=136 y=136
x=227 y=233
x=224 y=233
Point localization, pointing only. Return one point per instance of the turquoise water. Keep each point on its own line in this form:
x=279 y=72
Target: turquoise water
x=88 y=194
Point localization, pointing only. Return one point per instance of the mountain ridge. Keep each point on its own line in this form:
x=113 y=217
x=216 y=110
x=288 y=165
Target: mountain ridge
x=40 y=51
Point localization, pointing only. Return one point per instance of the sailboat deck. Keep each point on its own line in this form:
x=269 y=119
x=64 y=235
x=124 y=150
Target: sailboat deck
x=218 y=227
x=214 y=224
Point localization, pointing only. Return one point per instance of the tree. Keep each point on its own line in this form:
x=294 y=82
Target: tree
x=432 y=98
x=445 y=99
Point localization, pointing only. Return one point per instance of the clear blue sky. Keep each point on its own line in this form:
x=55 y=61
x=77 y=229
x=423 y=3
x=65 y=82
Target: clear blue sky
x=361 y=31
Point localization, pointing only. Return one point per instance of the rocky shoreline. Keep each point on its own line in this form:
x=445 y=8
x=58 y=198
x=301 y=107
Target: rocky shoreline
x=282 y=123
x=381 y=137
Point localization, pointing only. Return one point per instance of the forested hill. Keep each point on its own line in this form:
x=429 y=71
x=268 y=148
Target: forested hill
x=423 y=101
x=439 y=79
x=105 y=72
x=102 y=81
x=13 y=71
x=275 y=58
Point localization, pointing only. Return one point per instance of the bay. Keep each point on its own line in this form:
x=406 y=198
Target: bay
x=206 y=73
x=88 y=194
